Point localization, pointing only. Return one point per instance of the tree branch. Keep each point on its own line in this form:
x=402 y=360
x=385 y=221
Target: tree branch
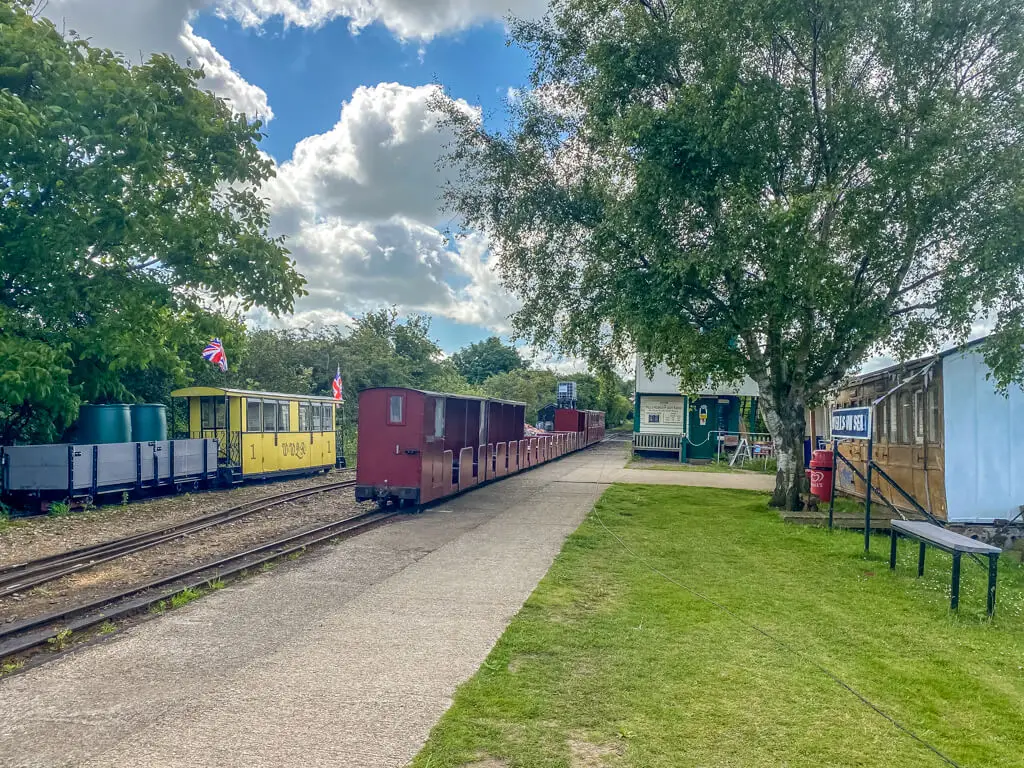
x=918 y=283
x=913 y=308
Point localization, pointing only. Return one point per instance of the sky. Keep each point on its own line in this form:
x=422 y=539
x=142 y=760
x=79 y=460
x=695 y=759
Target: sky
x=346 y=89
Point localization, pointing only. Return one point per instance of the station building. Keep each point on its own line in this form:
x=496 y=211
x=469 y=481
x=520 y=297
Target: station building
x=690 y=425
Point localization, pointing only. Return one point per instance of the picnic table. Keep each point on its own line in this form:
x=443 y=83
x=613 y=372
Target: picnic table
x=947 y=541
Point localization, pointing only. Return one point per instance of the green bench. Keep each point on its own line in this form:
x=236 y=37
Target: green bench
x=948 y=541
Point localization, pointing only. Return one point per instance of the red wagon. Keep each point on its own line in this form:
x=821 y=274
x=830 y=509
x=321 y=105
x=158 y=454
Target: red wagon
x=417 y=447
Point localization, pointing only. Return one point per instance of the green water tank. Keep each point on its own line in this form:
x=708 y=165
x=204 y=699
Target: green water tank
x=104 y=424
x=149 y=422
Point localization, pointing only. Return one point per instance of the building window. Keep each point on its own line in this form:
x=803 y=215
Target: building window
x=395 y=414
x=252 y=416
x=269 y=416
x=284 y=417
x=304 y=425
x=653 y=418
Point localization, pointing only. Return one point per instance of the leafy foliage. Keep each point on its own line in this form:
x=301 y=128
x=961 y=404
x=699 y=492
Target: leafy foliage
x=129 y=202
x=480 y=361
x=775 y=188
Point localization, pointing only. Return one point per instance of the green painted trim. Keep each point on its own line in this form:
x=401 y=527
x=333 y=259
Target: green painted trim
x=636 y=412
x=686 y=430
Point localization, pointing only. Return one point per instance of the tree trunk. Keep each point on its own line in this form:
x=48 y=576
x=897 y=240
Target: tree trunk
x=786 y=423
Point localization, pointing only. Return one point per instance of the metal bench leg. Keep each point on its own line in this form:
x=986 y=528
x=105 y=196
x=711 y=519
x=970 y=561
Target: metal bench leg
x=892 y=550
x=954 y=595
x=920 y=560
x=993 y=566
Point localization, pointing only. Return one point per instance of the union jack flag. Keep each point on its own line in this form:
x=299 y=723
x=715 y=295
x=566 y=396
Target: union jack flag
x=214 y=352
x=336 y=385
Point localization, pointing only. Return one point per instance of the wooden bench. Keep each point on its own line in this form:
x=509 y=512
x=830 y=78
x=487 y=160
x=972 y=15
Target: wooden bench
x=947 y=541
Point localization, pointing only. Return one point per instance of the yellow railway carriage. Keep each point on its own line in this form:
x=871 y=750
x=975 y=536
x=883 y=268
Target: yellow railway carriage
x=266 y=434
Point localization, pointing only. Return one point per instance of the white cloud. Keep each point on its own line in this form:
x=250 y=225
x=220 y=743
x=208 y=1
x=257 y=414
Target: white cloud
x=378 y=161
x=407 y=19
x=139 y=28
x=359 y=205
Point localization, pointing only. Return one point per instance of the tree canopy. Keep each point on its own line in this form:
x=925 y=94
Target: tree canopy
x=129 y=206
x=777 y=187
x=480 y=361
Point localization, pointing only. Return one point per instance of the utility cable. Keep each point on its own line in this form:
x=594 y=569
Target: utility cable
x=782 y=644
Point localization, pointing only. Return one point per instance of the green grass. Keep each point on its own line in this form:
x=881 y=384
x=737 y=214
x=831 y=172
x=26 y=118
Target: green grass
x=609 y=663
x=757 y=465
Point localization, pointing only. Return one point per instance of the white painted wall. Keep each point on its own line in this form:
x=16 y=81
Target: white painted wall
x=662 y=382
x=667 y=413
x=984 y=443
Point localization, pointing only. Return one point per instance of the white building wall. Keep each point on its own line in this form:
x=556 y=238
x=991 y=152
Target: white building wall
x=984 y=443
x=662 y=382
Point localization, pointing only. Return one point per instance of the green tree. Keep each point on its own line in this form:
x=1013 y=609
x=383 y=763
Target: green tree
x=487 y=358
x=129 y=201
x=776 y=188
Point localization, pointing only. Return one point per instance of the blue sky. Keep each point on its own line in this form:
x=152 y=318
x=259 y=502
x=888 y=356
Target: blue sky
x=347 y=90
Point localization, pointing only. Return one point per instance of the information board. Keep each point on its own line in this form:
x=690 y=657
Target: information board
x=852 y=423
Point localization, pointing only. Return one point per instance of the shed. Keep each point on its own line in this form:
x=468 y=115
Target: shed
x=944 y=433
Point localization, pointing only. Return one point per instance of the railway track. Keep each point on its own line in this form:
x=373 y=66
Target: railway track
x=39 y=632
x=22 y=577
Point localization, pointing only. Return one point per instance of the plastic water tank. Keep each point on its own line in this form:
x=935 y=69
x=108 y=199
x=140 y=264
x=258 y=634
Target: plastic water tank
x=149 y=422
x=104 y=424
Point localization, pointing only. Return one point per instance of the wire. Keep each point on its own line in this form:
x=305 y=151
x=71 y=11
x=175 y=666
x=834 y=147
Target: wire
x=782 y=644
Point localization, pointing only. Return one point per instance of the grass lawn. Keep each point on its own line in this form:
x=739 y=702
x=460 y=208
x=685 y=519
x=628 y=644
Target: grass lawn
x=609 y=663
x=751 y=467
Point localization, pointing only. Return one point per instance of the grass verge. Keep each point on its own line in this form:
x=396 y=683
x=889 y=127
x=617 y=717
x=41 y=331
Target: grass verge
x=756 y=467
x=609 y=663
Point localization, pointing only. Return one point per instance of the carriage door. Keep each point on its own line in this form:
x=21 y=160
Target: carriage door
x=433 y=451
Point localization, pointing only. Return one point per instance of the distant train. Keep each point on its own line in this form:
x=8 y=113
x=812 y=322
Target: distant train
x=232 y=436
x=419 y=447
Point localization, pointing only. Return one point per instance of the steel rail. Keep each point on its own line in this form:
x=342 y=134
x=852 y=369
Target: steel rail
x=25 y=576
x=36 y=632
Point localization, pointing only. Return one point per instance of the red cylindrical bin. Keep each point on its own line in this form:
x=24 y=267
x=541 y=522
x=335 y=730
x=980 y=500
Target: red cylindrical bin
x=821 y=474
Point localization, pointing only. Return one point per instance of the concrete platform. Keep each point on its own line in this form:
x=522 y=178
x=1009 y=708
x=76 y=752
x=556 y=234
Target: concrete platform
x=346 y=658
x=606 y=466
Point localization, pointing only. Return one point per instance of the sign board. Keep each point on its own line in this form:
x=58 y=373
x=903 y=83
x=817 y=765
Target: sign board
x=852 y=423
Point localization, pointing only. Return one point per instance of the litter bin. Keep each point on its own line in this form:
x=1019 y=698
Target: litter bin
x=820 y=474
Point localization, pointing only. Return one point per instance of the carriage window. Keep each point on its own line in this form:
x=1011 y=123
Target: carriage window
x=220 y=413
x=395 y=415
x=315 y=426
x=252 y=416
x=284 y=417
x=269 y=416
x=906 y=419
x=439 y=418
x=206 y=410
x=919 y=406
x=304 y=417
x=328 y=418
x=933 y=415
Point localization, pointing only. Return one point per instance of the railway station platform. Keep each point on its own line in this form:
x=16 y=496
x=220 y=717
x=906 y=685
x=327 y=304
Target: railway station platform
x=346 y=657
